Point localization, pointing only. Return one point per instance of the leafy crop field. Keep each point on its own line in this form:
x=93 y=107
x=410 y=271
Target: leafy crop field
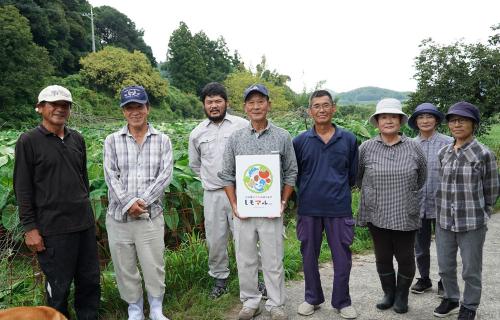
x=186 y=257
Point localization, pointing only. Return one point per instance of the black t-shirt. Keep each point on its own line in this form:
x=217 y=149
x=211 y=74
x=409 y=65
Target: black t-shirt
x=51 y=182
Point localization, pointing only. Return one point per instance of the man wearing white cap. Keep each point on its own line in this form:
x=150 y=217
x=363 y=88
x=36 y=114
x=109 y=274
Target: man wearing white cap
x=392 y=169
x=52 y=191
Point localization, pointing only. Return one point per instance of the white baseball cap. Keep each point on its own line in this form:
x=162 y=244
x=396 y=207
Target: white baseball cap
x=388 y=105
x=55 y=93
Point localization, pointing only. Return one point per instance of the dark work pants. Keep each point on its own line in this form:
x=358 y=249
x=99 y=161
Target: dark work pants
x=68 y=257
x=423 y=246
x=339 y=234
x=394 y=243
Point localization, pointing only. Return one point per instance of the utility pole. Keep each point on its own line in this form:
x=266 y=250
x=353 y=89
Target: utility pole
x=91 y=16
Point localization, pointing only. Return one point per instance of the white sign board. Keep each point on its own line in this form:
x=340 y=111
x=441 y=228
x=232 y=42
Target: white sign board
x=258 y=185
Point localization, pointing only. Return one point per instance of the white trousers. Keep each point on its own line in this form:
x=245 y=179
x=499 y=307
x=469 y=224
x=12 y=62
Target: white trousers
x=269 y=234
x=141 y=239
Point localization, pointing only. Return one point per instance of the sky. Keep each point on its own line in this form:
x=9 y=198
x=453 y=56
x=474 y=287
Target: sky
x=347 y=44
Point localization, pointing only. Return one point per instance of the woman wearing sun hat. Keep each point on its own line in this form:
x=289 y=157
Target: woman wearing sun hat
x=392 y=170
x=425 y=121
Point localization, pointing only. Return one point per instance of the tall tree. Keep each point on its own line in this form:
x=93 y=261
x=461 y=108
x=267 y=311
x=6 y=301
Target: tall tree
x=60 y=27
x=115 y=28
x=24 y=66
x=193 y=61
x=185 y=66
x=460 y=71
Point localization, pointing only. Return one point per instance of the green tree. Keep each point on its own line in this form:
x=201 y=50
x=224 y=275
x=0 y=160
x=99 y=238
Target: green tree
x=460 y=71
x=185 y=66
x=193 y=61
x=112 y=68
x=114 y=28
x=24 y=67
x=58 y=26
x=237 y=82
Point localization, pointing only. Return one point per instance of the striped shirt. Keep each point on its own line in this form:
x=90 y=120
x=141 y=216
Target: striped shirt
x=390 y=178
x=469 y=187
x=272 y=140
x=206 y=147
x=431 y=146
x=134 y=172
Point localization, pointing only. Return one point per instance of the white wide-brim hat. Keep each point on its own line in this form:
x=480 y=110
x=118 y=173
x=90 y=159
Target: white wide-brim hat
x=388 y=105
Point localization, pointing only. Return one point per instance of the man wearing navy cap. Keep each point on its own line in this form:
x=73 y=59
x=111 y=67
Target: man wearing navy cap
x=138 y=167
x=465 y=197
x=425 y=120
x=260 y=137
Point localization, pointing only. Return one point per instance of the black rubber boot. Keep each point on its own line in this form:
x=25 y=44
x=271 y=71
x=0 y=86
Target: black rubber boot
x=402 y=290
x=388 y=282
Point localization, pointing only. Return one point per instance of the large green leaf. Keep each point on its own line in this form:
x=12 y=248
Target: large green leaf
x=3 y=160
x=172 y=219
x=4 y=195
x=10 y=217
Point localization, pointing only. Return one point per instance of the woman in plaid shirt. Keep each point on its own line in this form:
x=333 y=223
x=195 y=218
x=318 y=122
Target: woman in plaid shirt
x=392 y=170
x=465 y=198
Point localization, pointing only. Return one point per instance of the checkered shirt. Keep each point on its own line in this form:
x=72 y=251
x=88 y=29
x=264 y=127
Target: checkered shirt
x=469 y=187
x=134 y=172
x=427 y=194
x=390 y=178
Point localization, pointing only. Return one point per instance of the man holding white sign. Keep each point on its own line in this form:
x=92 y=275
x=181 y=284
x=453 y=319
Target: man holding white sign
x=256 y=180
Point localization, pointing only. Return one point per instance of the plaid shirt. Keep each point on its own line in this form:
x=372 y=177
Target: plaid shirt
x=427 y=194
x=134 y=172
x=390 y=178
x=469 y=187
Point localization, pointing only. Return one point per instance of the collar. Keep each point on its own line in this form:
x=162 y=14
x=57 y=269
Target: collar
x=227 y=117
x=378 y=138
x=466 y=146
x=430 y=139
x=311 y=133
x=46 y=132
x=252 y=130
x=151 y=130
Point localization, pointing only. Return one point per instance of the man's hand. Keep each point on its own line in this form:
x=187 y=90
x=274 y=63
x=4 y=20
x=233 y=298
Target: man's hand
x=34 y=241
x=235 y=212
x=138 y=208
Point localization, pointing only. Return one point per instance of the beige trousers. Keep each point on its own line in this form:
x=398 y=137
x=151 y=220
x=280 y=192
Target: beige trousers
x=141 y=239
x=252 y=235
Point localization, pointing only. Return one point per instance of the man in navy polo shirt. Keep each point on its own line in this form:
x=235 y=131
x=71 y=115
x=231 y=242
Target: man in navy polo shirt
x=327 y=159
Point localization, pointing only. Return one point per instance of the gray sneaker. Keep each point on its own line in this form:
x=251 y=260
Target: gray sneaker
x=278 y=313
x=247 y=313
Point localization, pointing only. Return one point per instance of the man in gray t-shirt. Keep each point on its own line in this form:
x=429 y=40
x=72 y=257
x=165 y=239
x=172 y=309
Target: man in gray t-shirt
x=259 y=138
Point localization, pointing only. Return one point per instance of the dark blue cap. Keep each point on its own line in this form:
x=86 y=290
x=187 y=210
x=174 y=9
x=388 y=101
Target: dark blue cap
x=133 y=94
x=255 y=88
x=464 y=109
x=425 y=107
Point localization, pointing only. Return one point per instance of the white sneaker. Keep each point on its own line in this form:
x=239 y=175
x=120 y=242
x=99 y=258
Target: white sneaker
x=348 y=312
x=306 y=309
x=136 y=310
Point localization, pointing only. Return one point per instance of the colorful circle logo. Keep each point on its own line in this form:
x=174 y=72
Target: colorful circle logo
x=258 y=178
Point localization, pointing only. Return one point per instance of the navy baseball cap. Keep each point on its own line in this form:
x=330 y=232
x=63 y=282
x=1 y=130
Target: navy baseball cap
x=464 y=109
x=133 y=94
x=255 y=88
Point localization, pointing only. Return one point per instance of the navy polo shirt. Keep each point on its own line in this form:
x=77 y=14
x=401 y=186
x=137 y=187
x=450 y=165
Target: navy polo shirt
x=326 y=173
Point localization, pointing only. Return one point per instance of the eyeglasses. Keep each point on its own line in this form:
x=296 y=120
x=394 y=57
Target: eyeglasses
x=325 y=106
x=458 y=121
